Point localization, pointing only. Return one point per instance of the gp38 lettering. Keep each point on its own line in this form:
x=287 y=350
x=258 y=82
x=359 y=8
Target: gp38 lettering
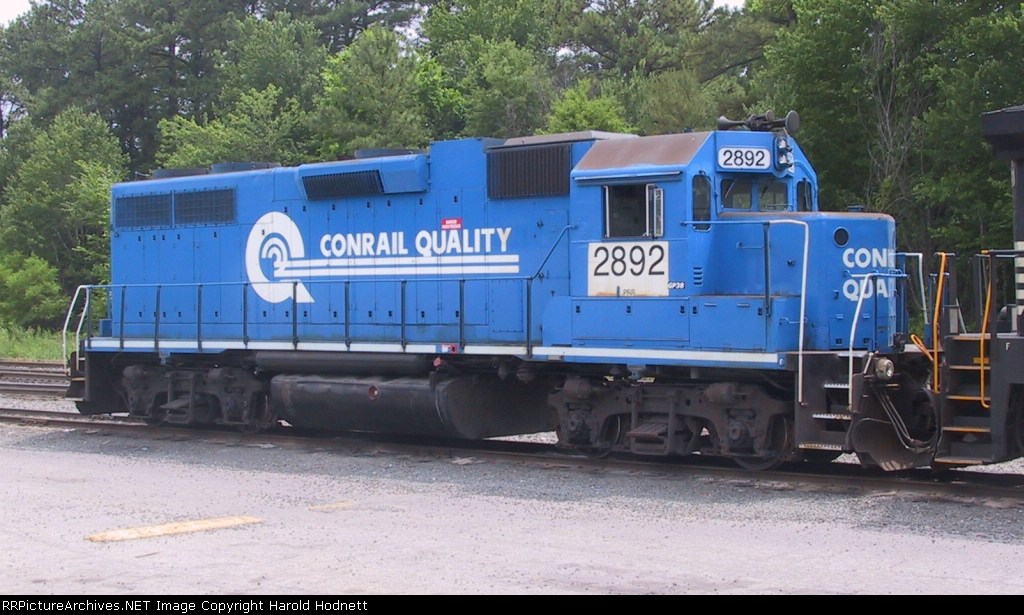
x=628 y=269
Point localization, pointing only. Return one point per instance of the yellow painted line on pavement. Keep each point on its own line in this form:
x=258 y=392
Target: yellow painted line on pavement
x=167 y=529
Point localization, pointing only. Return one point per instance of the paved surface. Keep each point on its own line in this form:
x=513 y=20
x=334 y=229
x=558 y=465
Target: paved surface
x=298 y=521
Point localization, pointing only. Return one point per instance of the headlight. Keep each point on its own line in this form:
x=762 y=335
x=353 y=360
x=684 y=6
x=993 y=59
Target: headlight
x=884 y=369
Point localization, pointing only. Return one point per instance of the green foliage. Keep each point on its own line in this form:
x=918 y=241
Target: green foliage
x=628 y=37
x=463 y=39
x=963 y=191
x=14 y=150
x=816 y=68
x=132 y=62
x=370 y=98
x=580 y=109
x=262 y=127
x=278 y=51
x=508 y=93
x=57 y=204
x=30 y=295
x=340 y=22
x=36 y=54
x=443 y=103
x=729 y=53
x=672 y=101
x=524 y=22
x=889 y=93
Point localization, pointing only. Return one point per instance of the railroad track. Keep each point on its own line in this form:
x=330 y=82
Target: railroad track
x=971 y=487
x=33 y=377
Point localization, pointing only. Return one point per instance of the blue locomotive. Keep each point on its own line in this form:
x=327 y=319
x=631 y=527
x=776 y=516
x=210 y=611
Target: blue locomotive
x=660 y=295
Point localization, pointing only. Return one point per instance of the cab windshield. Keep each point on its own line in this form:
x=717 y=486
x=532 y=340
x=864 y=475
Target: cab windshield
x=755 y=194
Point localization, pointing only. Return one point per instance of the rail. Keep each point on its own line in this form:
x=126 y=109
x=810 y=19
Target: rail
x=33 y=377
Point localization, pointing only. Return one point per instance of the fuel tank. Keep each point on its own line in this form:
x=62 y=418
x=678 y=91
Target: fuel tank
x=470 y=407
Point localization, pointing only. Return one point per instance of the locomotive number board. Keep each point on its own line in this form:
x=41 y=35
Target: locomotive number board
x=745 y=158
x=627 y=269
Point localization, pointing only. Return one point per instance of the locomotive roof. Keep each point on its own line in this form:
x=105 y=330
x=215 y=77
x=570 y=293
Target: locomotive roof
x=674 y=150
x=566 y=137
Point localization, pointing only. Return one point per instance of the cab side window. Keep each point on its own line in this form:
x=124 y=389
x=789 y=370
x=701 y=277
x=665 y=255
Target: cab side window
x=634 y=210
x=701 y=202
x=804 y=198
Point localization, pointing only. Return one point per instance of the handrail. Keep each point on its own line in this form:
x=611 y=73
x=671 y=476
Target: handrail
x=920 y=280
x=984 y=329
x=803 y=282
x=551 y=250
x=936 y=346
x=526 y=279
x=921 y=346
x=67 y=322
x=866 y=278
x=803 y=304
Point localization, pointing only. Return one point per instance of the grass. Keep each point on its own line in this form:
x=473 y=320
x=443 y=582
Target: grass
x=30 y=344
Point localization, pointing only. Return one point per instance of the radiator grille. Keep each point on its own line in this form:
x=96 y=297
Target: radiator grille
x=528 y=171
x=204 y=207
x=147 y=210
x=343 y=184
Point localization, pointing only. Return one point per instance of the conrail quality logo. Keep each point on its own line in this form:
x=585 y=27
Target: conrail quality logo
x=862 y=261
x=278 y=268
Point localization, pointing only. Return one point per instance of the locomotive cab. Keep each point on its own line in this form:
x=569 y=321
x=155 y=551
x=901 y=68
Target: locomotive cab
x=710 y=271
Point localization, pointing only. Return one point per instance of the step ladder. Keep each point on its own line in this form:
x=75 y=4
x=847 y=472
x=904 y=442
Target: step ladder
x=649 y=438
x=183 y=404
x=965 y=380
x=830 y=422
x=76 y=379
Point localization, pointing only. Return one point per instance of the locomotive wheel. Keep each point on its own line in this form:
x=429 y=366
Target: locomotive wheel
x=260 y=415
x=611 y=435
x=692 y=437
x=780 y=441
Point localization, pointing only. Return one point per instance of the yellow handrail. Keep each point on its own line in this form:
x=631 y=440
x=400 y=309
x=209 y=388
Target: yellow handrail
x=935 y=322
x=984 y=329
x=921 y=346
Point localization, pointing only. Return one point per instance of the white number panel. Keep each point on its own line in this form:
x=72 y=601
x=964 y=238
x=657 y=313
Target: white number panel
x=627 y=269
x=750 y=158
